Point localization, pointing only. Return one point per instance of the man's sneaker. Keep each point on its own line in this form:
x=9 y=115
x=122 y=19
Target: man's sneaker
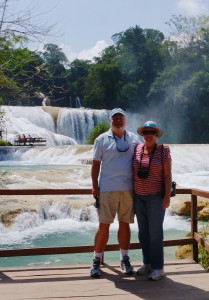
x=144 y=269
x=126 y=266
x=157 y=274
x=95 y=269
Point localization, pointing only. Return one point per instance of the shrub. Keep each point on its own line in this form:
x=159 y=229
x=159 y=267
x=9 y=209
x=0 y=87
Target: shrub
x=203 y=253
x=4 y=143
x=185 y=251
x=98 y=129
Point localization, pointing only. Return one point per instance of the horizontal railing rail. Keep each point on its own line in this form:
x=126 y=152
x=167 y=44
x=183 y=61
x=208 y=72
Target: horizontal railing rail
x=30 y=141
x=193 y=240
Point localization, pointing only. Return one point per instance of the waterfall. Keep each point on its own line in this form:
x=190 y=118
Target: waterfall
x=65 y=163
x=70 y=126
x=60 y=126
x=78 y=123
x=49 y=220
x=78 y=102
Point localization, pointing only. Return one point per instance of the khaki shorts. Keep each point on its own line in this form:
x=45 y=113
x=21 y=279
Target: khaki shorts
x=117 y=202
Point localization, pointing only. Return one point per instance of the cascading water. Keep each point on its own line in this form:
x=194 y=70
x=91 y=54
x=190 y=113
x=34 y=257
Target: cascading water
x=78 y=123
x=70 y=126
x=32 y=121
x=53 y=220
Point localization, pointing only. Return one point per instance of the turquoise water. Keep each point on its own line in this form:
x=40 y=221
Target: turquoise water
x=61 y=167
x=82 y=237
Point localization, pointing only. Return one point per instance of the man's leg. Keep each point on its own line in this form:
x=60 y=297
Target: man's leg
x=101 y=237
x=124 y=236
x=100 y=241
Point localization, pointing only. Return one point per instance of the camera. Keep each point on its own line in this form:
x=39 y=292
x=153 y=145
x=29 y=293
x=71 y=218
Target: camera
x=143 y=173
x=173 y=189
x=96 y=203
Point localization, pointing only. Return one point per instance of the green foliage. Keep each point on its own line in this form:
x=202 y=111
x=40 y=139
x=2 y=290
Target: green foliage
x=204 y=258
x=77 y=76
x=98 y=129
x=4 y=143
x=101 y=86
x=203 y=254
x=141 y=72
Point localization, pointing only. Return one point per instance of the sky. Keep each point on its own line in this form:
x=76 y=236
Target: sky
x=85 y=27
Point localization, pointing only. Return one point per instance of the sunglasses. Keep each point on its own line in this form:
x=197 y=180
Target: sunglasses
x=118 y=118
x=151 y=132
x=125 y=147
x=122 y=146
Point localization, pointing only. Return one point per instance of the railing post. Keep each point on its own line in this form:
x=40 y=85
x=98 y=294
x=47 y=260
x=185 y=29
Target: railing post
x=194 y=226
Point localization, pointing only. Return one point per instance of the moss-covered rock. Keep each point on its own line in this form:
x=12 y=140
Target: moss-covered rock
x=182 y=207
x=8 y=217
x=203 y=214
x=183 y=252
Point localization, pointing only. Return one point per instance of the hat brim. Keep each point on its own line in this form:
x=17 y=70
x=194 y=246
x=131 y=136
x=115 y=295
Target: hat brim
x=119 y=113
x=158 y=130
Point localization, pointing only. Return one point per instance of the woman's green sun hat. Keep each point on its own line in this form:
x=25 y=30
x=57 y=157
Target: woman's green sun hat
x=150 y=124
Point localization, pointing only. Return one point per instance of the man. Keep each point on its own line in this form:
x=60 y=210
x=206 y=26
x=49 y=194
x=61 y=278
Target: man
x=112 y=165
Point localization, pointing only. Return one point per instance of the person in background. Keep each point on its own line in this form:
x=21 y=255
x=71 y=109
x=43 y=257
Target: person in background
x=24 y=139
x=112 y=180
x=152 y=187
x=31 y=140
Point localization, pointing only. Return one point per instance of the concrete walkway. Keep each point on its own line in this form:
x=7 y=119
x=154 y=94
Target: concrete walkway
x=184 y=280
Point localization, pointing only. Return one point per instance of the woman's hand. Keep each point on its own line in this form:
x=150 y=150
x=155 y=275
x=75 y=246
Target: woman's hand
x=166 y=202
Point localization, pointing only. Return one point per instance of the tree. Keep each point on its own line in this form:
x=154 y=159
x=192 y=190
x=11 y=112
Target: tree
x=140 y=58
x=188 y=31
x=102 y=85
x=21 y=69
x=24 y=24
x=182 y=87
x=56 y=84
x=20 y=74
x=77 y=74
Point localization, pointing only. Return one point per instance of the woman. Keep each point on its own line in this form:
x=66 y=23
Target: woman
x=152 y=187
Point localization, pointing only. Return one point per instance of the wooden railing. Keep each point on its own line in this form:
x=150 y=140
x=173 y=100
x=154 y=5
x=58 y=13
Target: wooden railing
x=193 y=240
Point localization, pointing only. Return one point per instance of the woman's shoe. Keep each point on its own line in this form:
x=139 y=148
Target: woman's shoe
x=157 y=274
x=144 y=269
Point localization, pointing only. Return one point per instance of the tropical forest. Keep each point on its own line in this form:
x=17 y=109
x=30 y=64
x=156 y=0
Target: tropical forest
x=143 y=71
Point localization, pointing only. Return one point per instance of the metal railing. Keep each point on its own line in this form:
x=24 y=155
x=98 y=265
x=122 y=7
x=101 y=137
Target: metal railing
x=193 y=240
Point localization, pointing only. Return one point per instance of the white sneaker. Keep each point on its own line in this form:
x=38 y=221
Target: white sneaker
x=143 y=270
x=157 y=274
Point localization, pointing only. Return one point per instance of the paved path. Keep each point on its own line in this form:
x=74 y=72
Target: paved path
x=184 y=280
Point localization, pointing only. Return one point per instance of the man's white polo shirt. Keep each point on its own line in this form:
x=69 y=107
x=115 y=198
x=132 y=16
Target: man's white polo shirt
x=116 y=173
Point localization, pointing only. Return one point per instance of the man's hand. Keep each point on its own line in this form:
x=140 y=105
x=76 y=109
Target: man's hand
x=95 y=192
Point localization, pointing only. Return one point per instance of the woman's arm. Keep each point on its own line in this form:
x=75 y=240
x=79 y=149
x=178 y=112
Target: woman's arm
x=168 y=182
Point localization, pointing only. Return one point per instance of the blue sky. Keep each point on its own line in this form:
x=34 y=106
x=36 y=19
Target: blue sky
x=86 y=26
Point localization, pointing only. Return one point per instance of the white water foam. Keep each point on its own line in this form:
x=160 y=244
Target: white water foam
x=68 y=167
x=58 y=218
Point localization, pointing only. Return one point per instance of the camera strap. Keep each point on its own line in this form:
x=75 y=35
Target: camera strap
x=150 y=158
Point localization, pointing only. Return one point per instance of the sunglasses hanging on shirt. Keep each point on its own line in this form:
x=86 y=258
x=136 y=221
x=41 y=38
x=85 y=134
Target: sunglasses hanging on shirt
x=122 y=144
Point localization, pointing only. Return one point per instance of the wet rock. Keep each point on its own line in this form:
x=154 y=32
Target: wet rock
x=182 y=206
x=203 y=214
x=184 y=251
x=8 y=217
